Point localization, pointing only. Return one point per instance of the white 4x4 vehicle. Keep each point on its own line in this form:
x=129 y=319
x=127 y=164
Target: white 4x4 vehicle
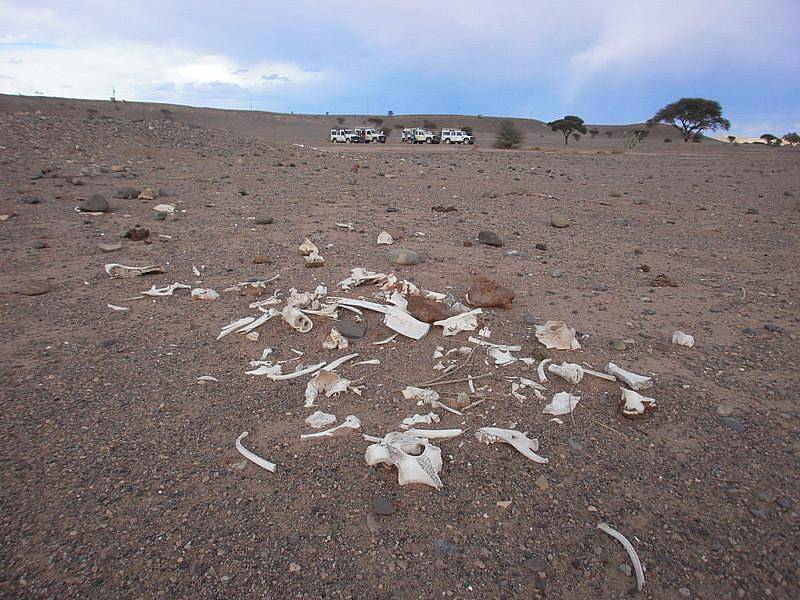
x=371 y=135
x=344 y=136
x=457 y=136
x=418 y=135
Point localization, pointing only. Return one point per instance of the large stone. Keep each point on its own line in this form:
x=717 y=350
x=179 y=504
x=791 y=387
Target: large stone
x=403 y=256
x=30 y=199
x=487 y=293
x=126 y=193
x=264 y=220
x=490 y=238
x=559 y=221
x=383 y=505
x=427 y=310
x=350 y=329
x=95 y=203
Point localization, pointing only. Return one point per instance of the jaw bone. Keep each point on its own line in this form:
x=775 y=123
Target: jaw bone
x=517 y=439
x=351 y=422
x=632 y=380
x=634 y=404
x=297 y=319
x=416 y=459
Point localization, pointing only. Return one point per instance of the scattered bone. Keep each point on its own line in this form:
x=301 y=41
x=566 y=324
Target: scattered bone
x=271 y=301
x=514 y=387
x=374 y=306
x=295 y=374
x=165 y=208
x=118 y=271
x=487 y=293
x=388 y=340
x=634 y=404
x=485 y=332
x=196 y=271
x=525 y=446
x=236 y=325
x=403 y=323
x=269 y=314
x=416 y=459
x=118 y=308
x=207 y=378
x=265 y=369
x=436 y=434
x=500 y=357
x=467 y=321
x=167 y=290
x=261 y=462
x=372 y=361
x=503 y=347
x=335 y=341
x=252 y=336
x=308 y=247
x=570 y=372
x=556 y=334
x=320 y=419
x=637 y=564
x=324 y=382
x=632 y=380
x=540 y=370
x=683 y=339
x=204 y=294
x=563 y=403
x=359 y=276
x=437 y=353
x=418 y=419
x=332 y=366
x=348 y=226
x=296 y=319
x=385 y=239
x=598 y=374
x=426 y=396
x=350 y=422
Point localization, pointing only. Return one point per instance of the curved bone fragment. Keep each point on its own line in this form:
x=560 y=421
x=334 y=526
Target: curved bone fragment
x=118 y=271
x=416 y=459
x=325 y=382
x=351 y=422
x=501 y=357
x=359 y=276
x=683 y=339
x=556 y=334
x=403 y=323
x=503 y=347
x=255 y=458
x=307 y=247
x=525 y=446
x=381 y=308
x=167 y=290
x=632 y=380
x=637 y=564
x=563 y=403
x=634 y=404
x=335 y=341
x=268 y=314
x=436 y=434
x=388 y=340
x=385 y=239
x=570 y=372
x=207 y=378
x=117 y=308
x=295 y=374
x=334 y=364
x=265 y=368
x=418 y=419
x=296 y=319
x=231 y=327
x=467 y=321
x=540 y=370
x=204 y=294
x=320 y=419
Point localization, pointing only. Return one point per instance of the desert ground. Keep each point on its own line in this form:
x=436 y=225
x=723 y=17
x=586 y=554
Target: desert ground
x=120 y=476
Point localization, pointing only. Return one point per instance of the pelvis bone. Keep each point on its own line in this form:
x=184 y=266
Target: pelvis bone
x=416 y=459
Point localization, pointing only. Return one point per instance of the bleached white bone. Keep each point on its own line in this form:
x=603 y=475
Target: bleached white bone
x=503 y=347
x=271 y=312
x=334 y=364
x=118 y=271
x=366 y=304
x=359 y=276
x=388 y=340
x=335 y=341
x=252 y=457
x=320 y=419
x=426 y=396
x=632 y=380
x=467 y=321
x=167 y=290
x=307 y=247
x=501 y=357
x=237 y=324
x=418 y=419
x=525 y=446
x=683 y=339
x=204 y=294
x=351 y=422
x=265 y=369
x=385 y=239
x=116 y=308
x=556 y=334
x=296 y=319
x=540 y=370
x=570 y=372
x=295 y=374
x=637 y=564
x=416 y=459
x=324 y=382
x=634 y=404
x=563 y=403
x=403 y=323
x=436 y=434
x=599 y=375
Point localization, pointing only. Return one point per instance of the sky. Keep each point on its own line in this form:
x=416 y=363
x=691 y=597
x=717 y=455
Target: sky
x=608 y=61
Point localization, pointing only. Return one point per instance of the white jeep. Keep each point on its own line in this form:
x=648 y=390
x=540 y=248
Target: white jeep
x=369 y=135
x=344 y=136
x=418 y=135
x=457 y=136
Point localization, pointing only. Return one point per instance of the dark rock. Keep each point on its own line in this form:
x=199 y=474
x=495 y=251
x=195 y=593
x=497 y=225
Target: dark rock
x=618 y=345
x=444 y=548
x=260 y=260
x=772 y=328
x=126 y=193
x=95 y=203
x=427 y=310
x=107 y=343
x=784 y=502
x=600 y=287
x=541 y=246
x=40 y=244
x=34 y=289
x=403 y=256
x=468 y=244
x=30 y=199
x=752 y=211
x=350 y=329
x=559 y=221
x=490 y=238
x=160 y=216
x=264 y=220
x=749 y=331
x=530 y=319
x=242 y=191
x=109 y=247
x=733 y=423
x=383 y=505
x=392 y=209
x=443 y=209
x=622 y=221
x=36 y=175
x=137 y=234
x=663 y=280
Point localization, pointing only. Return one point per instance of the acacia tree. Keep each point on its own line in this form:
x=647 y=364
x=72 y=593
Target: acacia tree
x=568 y=125
x=508 y=136
x=692 y=116
x=731 y=138
x=772 y=140
x=792 y=138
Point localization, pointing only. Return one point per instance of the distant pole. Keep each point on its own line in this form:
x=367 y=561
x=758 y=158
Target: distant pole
x=251 y=102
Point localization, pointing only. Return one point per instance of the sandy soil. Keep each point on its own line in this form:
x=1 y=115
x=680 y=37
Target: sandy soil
x=120 y=477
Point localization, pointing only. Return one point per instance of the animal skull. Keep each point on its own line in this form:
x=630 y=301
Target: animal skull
x=297 y=319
